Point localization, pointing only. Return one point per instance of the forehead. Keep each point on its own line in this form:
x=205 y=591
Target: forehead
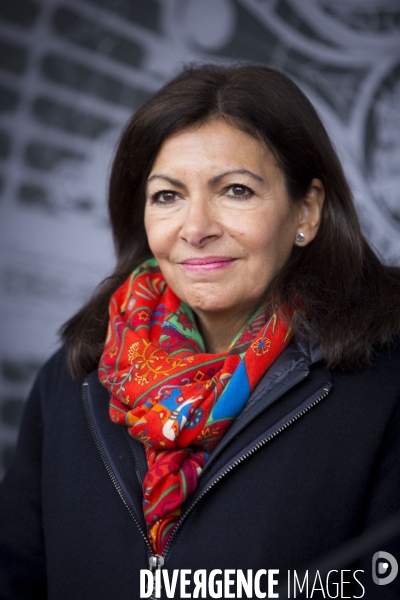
x=214 y=144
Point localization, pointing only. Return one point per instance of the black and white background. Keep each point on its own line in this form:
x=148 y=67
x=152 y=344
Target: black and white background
x=71 y=74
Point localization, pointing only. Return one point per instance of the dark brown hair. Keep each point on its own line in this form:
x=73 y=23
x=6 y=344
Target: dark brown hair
x=352 y=300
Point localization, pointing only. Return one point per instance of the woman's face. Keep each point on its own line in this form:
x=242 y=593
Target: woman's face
x=218 y=217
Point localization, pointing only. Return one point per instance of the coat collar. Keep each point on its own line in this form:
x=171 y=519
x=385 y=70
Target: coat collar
x=125 y=455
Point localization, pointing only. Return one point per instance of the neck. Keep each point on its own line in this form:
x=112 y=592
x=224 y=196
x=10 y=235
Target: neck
x=218 y=331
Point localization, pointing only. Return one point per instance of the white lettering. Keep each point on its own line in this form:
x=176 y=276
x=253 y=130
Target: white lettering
x=257 y=591
x=359 y=582
x=185 y=582
x=215 y=588
x=228 y=582
x=244 y=585
x=305 y=583
x=158 y=583
x=343 y=582
x=336 y=585
x=272 y=583
x=170 y=587
x=200 y=579
x=146 y=576
x=319 y=589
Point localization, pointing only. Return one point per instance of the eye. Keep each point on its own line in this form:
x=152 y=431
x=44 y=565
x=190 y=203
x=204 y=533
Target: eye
x=239 y=191
x=164 y=197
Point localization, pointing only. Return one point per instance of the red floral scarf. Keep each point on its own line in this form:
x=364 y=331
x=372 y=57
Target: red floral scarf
x=173 y=396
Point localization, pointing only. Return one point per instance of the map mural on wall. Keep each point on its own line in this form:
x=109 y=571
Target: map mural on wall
x=73 y=71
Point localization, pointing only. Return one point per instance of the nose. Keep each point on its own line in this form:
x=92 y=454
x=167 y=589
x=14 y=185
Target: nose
x=200 y=224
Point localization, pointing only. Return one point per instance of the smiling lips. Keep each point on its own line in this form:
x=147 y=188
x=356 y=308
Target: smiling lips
x=207 y=263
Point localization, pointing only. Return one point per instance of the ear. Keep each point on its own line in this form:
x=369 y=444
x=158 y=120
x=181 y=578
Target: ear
x=309 y=213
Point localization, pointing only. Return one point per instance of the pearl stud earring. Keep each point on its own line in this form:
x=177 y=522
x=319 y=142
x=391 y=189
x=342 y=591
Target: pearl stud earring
x=300 y=237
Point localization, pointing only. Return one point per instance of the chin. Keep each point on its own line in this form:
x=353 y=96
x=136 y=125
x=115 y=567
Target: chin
x=207 y=298
x=208 y=307
x=213 y=308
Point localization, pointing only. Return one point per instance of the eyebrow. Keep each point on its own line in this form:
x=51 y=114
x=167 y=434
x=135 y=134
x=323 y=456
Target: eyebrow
x=218 y=178
x=211 y=181
x=174 y=182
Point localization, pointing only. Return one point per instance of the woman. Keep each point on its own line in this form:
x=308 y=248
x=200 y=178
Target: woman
x=251 y=366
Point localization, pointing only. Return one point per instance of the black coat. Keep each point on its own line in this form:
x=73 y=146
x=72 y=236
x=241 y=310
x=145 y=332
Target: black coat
x=312 y=460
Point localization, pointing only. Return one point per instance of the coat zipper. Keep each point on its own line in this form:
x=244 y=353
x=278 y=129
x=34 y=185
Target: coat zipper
x=155 y=560
x=277 y=393
x=326 y=390
x=108 y=467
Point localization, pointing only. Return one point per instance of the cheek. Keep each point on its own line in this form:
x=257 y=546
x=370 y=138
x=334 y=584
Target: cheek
x=158 y=236
x=270 y=238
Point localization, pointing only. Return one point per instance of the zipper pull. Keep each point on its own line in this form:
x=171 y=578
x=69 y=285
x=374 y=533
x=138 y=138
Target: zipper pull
x=156 y=563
